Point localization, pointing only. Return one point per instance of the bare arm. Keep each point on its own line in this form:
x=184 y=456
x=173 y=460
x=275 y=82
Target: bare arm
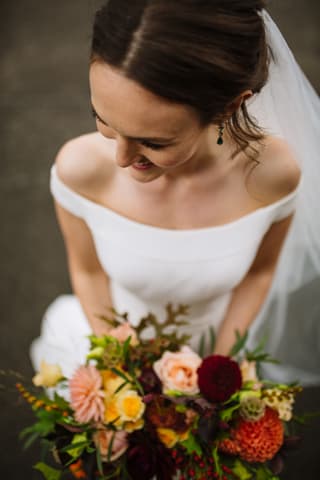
x=89 y=281
x=250 y=294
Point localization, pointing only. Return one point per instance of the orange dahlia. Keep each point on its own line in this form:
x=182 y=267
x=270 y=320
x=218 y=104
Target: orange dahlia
x=255 y=441
x=86 y=394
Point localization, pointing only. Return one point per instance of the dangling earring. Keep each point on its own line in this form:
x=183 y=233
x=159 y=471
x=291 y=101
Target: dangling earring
x=220 y=137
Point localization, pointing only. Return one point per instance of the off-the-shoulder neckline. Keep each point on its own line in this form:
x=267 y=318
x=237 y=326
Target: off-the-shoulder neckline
x=134 y=223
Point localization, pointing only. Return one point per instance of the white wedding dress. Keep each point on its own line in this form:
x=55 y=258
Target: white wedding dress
x=149 y=266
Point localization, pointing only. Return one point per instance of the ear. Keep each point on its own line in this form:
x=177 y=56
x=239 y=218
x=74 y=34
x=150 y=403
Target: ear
x=237 y=102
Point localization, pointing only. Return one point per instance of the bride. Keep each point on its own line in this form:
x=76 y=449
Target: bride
x=194 y=189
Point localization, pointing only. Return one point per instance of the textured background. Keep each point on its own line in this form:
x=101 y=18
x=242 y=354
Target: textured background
x=44 y=101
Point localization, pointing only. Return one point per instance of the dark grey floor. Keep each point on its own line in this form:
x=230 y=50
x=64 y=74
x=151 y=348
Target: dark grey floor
x=44 y=101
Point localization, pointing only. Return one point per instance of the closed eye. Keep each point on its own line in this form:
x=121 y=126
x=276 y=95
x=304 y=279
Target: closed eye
x=145 y=143
x=153 y=146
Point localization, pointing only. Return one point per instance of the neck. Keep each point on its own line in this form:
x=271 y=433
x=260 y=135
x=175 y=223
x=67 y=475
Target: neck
x=208 y=156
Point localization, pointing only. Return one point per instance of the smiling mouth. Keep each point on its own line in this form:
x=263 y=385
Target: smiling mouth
x=143 y=164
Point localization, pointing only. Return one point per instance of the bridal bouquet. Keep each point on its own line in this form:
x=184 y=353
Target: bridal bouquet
x=142 y=408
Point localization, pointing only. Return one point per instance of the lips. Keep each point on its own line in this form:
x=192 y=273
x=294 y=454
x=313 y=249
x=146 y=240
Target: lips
x=142 y=164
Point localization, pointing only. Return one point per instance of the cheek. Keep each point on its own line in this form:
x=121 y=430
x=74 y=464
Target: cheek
x=105 y=131
x=176 y=156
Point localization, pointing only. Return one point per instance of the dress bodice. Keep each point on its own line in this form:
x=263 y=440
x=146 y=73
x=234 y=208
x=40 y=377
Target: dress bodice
x=150 y=266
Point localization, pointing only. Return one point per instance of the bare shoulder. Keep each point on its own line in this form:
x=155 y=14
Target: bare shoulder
x=276 y=175
x=85 y=163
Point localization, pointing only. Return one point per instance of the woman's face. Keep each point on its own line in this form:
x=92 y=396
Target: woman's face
x=153 y=136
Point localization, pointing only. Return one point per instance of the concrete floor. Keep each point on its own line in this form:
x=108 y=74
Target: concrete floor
x=43 y=102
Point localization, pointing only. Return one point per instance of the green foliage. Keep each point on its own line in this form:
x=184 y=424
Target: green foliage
x=259 y=355
x=227 y=413
x=191 y=445
x=79 y=443
x=239 y=343
x=44 y=426
x=61 y=402
x=48 y=473
x=263 y=473
x=212 y=335
x=241 y=471
x=201 y=347
x=216 y=458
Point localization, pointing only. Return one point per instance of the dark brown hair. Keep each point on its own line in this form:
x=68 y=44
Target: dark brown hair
x=203 y=53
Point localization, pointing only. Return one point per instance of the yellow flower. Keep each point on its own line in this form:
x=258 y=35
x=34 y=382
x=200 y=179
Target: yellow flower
x=132 y=426
x=168 y=437
x=130 y=405
x=48 y=376
x=112 y=381
x=184 y=436
x=112 y=414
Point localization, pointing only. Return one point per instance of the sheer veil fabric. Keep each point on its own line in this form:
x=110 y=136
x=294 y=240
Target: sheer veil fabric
x=289 y=107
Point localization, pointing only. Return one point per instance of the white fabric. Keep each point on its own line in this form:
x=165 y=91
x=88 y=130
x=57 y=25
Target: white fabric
x=150 y=266
x=289 y=107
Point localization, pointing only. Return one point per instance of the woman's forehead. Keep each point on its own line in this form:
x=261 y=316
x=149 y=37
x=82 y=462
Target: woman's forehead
x=126 y=105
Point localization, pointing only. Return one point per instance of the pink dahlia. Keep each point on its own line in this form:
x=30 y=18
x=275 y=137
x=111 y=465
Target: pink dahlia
x=86 y=394
x=218 y=378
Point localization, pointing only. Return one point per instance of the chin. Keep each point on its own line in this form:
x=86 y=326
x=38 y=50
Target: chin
x=145 y=177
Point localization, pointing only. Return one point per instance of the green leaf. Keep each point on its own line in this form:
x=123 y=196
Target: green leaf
x=120 y=374
x=239 y=343
x=79 y=442
x=201 y=346
x=121 y=386
x=240 y=470
x=61 y=402
x=212 y=334
x=181 y=408
x=216 y=459
x=34 y=436
x=109 y=455
x=49 y=473
x=263 y=473
x=27 y=431
x=226 y=414
x=96 y=353
x=126 y=347
x=75 y=447
x=99 y=461
x=191 y=445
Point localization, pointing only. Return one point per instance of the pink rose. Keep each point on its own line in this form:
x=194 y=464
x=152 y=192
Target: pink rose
x=178 y=371
x=103 y=438
x=124 y=331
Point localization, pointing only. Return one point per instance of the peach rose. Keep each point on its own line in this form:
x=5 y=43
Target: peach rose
x=124 y=331
x=178 y=371
x=104 y=438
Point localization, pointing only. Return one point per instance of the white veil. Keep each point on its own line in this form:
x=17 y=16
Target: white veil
x=288 y=106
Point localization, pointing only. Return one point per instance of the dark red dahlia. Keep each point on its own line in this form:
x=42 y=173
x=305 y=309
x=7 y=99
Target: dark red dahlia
x=218 y=378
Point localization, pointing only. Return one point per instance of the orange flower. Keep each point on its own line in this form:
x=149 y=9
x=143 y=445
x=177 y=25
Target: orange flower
x=77 y=470
x=255 y=441
x=86 y=394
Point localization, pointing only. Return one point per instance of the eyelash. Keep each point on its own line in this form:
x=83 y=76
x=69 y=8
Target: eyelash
x=152 y=146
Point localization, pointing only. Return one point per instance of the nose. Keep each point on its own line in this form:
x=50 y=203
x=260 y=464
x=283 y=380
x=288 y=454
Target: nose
x=125 y=153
